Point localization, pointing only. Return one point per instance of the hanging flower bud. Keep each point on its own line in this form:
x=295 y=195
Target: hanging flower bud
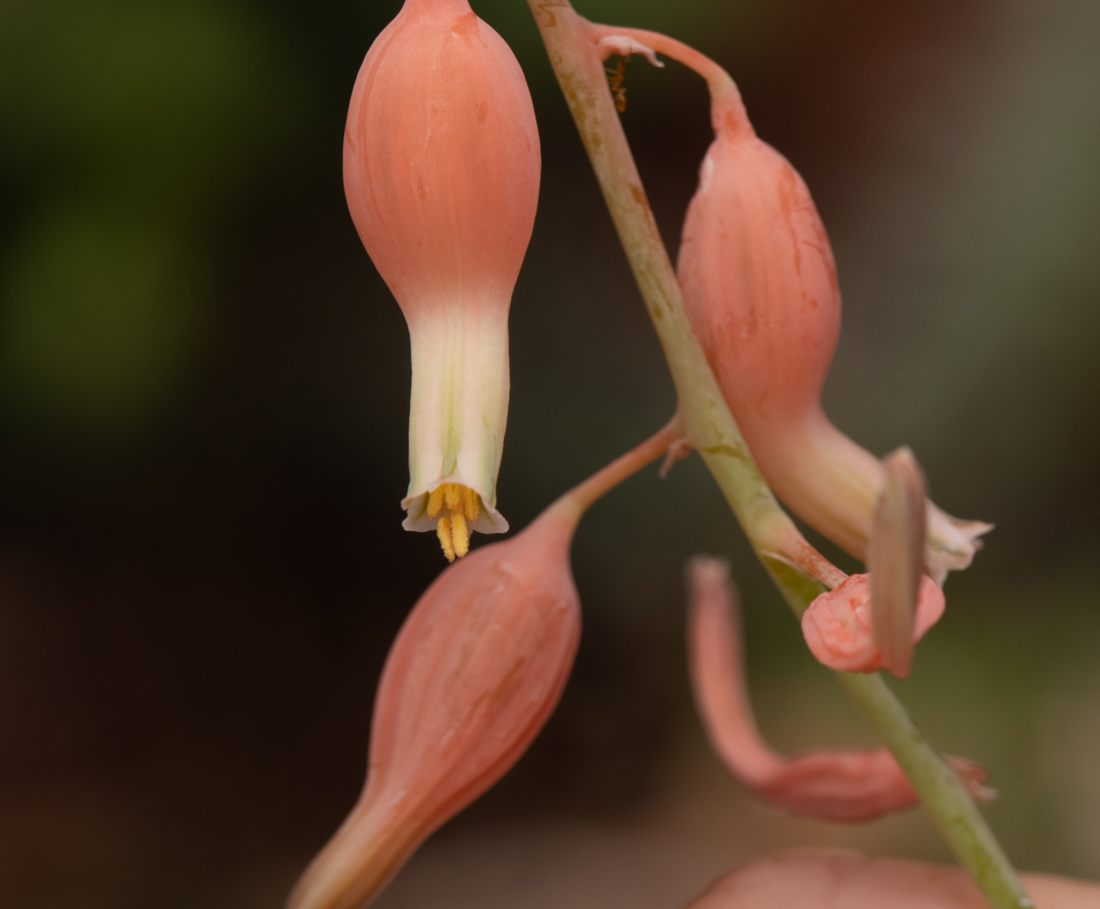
x=845 y=786
x=759 y=282
x=475 y=672
x=441 y=170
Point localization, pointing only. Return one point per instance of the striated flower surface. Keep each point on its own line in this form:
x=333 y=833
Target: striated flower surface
x=475 y=672
x=441 y=171
x=760 y=285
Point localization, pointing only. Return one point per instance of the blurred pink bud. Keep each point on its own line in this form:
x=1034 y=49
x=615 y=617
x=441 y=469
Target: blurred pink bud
x=760 y=285
x=474 y=673
x=829 y=785
x=828 y=879
x=838 y=629
x=441 y=170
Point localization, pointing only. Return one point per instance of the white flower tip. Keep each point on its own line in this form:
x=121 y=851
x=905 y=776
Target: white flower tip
x=453 y=511
x=622 y=46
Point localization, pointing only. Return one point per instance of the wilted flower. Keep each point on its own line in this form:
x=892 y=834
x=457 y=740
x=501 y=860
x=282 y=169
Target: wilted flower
x=830 y=785
x=759 y=282
x=441 y=170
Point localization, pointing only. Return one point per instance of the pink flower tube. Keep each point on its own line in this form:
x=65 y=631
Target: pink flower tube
x=759 y=282
x=475 y=672
x=441 y=170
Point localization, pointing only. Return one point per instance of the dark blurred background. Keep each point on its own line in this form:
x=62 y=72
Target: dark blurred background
x=203 y=417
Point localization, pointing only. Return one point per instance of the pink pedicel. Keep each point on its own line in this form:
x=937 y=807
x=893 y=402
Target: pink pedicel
x=760 y=285
x=838 y=625
x=441 y=171
x=846 y=786
x=838 y=879
x=476 y=670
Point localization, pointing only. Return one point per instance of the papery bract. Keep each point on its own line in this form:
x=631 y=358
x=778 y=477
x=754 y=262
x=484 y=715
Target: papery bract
x=473 y=675
x=441 y=170
x=838 y=625
x=759 y=282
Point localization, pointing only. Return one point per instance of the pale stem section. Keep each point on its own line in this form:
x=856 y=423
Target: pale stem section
x=580 y=498
x=797 y=569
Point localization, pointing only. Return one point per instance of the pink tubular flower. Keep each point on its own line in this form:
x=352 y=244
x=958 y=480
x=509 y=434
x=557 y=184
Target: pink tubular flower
x=759 y=282
x=475 y=672
x=831 y=879
x=829 y=785
x=441 y=170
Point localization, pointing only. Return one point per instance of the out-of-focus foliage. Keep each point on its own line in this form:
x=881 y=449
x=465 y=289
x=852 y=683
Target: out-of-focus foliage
x=124 y=126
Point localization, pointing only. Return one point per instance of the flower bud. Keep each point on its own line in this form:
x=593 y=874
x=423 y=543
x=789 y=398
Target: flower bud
x=474 y=673
x=476 y=670
x=759 y=282
x=441 y=170
x=838 y=625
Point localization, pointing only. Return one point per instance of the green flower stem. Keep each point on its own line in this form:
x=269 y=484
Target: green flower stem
x=798 y=570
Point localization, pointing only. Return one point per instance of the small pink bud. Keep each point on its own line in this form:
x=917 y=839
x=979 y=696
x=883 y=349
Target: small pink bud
x=759 y=282
x=838 y=630
x=474 y=674
x=846 y=786
x=441 y=170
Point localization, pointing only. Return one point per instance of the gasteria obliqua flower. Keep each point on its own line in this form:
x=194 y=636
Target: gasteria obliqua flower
x=475 y=672
x=759 y=282
x=845 y=786
x=441 y=170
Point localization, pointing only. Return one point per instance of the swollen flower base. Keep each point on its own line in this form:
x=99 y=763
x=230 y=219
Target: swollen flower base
x=759 y=282
x=441 y=170
x=475 y=672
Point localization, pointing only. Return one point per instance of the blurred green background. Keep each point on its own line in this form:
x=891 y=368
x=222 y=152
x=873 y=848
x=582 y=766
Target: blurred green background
x=203 y=406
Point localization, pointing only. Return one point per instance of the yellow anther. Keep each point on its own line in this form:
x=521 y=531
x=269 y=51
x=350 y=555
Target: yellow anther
x=435 y=500
x=443 y=531
x=453 y=496
x=470 y=506
x=460 y=535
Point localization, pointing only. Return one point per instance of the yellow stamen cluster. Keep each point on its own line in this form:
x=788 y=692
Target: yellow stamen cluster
x=464 y=506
